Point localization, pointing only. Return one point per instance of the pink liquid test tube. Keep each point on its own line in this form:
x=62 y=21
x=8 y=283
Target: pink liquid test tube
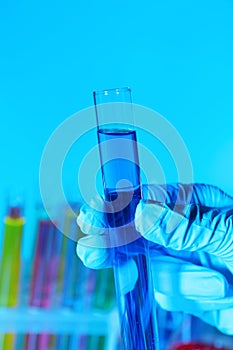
x=44 y=277
x=46 y=264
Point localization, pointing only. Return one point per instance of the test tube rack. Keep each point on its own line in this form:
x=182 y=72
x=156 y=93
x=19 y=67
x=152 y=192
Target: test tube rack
x=57 y=303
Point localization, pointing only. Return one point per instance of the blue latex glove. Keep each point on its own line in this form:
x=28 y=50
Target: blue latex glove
x=190 y=228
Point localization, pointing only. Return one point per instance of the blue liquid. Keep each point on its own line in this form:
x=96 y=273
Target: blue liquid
x=115 y=170
x=114 y=167
x=136 y=308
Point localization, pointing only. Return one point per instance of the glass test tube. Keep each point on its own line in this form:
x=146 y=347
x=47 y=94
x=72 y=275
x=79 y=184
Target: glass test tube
x=11 y=257
x=44 y=276
x=46 y=264
x=10 y=265
x=121 y=181
x=71 y=274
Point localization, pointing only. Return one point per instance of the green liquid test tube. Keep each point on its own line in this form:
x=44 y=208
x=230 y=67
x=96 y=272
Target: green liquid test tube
x=10 y=265
x=11 y=259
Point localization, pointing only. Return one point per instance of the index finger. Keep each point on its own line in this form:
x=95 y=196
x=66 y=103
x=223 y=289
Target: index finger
x=182 y=194
x=193 y=228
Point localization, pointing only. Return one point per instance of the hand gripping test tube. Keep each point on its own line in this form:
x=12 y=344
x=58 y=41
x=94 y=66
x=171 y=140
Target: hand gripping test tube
x=121 y=181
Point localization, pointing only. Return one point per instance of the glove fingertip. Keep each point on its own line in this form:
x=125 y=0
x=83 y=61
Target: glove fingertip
x=94 y=258
x=88 y=224
x=147 y=217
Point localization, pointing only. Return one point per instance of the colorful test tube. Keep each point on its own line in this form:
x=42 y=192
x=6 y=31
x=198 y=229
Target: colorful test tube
x=69 y=263
x=46 y=264
x=11 y=258
x=44 y=276
x=10 y=265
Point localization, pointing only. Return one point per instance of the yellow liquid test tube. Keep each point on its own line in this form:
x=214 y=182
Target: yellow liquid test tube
x=10 y=265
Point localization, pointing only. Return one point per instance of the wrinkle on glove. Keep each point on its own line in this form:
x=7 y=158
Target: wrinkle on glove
x=193 y=228
x=181 y=194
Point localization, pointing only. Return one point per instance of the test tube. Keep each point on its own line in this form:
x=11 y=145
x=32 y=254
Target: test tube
x=70 y=269
x=46 y=264
x=121 y=181
x=44 y=276
x=11 y=257
x=10 y=264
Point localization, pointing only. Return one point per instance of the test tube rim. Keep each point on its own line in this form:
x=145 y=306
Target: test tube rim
x=121 y=89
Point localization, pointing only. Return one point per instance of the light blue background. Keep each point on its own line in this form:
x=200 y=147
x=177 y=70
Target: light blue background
x=177 y=56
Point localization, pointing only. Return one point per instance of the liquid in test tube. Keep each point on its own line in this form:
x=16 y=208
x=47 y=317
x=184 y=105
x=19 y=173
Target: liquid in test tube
x=46 y=262
x=11 y=258
x=10 y=264
x=71 y=271
x=44 y=276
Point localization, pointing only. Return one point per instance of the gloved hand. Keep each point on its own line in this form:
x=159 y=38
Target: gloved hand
x=190 y=228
